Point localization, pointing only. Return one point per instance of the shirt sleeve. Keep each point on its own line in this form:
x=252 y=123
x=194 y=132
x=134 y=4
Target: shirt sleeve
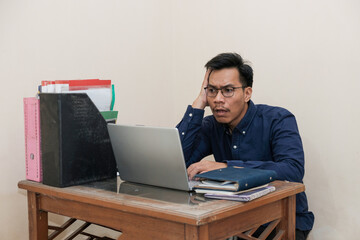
x=287 y=151
x=192 y=138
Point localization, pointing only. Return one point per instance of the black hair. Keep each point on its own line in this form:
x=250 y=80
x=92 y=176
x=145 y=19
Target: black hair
x=232 y=60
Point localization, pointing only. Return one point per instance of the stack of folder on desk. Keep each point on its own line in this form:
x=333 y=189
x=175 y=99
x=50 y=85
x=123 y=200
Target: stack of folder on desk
x=234 y=183
x=101 y=93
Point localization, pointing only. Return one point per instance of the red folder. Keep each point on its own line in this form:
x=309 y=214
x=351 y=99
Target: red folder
x=32 y=139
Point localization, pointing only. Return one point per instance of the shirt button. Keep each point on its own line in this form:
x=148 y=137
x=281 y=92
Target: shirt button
x=235 y=147
x=190 y=114
x=243 y=132
x=183 y=133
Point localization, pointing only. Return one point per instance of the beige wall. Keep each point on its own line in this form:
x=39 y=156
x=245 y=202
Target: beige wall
x=305 y=55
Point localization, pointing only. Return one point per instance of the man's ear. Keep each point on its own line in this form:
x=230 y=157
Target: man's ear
x=247 y=93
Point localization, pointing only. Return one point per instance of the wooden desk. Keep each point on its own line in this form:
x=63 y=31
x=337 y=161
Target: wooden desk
x=140 y=217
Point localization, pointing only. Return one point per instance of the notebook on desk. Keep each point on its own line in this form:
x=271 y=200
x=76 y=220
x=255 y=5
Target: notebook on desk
x=149 y=155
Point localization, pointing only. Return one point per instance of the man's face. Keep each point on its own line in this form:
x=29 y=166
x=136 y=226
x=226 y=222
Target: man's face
x=228 y=110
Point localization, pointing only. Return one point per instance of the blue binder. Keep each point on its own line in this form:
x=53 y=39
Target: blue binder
x=241 y=178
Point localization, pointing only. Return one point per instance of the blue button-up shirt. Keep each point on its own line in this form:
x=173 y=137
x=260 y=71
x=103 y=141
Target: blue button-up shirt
x=267 y=138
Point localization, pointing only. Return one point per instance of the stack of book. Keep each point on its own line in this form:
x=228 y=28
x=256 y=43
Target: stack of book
x=235 y=183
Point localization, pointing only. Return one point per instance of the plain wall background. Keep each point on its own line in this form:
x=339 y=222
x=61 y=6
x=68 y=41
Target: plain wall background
x=305 y=56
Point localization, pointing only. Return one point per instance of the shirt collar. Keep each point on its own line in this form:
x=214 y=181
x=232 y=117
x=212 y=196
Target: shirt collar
x=245 y=122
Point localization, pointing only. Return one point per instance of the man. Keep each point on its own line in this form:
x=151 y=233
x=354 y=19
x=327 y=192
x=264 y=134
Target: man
x=240 y=133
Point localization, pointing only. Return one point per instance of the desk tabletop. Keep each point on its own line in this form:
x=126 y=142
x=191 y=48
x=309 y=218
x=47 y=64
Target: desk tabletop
x=173 y=205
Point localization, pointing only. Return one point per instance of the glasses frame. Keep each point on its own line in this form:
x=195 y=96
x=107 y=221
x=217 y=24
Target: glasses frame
x=221 y=90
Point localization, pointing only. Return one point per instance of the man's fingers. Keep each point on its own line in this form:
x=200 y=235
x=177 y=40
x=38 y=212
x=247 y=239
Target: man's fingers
x=203 y=166
x=194 y=169
x=206 y=78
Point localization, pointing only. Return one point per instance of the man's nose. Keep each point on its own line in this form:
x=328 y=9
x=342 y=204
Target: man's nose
x=219 y=97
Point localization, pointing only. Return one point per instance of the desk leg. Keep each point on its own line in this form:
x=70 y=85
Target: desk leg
x=38 y=220
x=289 y=217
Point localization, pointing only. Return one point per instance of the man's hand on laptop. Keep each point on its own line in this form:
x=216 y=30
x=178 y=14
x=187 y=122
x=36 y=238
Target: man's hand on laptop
x=203 y=166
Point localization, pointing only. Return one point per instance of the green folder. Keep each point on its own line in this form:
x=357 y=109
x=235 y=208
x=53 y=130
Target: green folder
x=110 y=116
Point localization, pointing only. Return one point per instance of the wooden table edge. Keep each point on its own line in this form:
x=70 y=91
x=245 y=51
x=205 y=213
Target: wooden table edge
x=175 y=217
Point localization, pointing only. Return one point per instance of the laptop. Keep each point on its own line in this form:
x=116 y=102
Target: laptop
x=150 y=155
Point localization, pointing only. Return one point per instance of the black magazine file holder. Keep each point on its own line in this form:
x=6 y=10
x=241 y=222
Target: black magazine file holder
x=75 y=142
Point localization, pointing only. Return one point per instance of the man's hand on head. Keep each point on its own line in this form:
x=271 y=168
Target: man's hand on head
x=203 y=166
x=201 y=101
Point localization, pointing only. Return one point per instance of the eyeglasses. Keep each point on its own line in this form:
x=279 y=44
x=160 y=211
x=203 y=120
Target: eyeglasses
x=225 y=91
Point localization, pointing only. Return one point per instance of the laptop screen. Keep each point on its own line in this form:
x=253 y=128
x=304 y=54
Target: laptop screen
x=149 y=155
